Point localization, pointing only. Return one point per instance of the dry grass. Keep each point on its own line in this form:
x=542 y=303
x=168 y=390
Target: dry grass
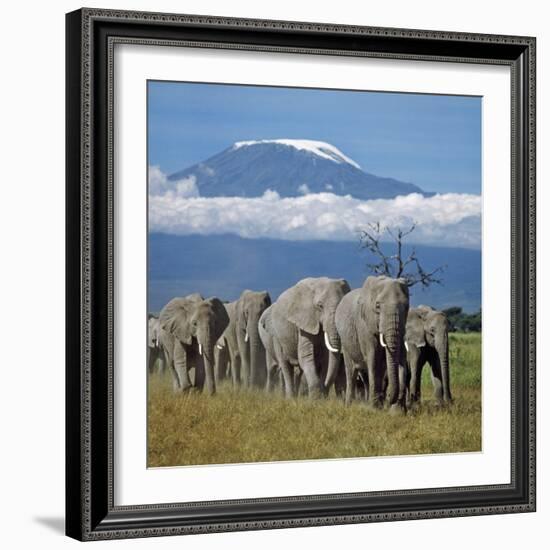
x=250 y=426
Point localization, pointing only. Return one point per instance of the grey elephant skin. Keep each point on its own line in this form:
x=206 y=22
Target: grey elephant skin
x=302 y=321
x=190 y=328
x=268 y=338
x=226 y=353
x=155 y=351
x=427 y=341
x=371 y=324
x=245 y=351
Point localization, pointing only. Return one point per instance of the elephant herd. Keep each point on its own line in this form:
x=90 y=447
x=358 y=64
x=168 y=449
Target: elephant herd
x=366 y=343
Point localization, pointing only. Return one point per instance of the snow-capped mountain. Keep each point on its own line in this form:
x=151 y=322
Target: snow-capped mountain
x=291 y=168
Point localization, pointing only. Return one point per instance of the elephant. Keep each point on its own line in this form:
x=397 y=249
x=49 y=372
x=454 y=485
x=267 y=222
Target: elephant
x=227 y=349
x=302 y=320
x=241 y=340
x=427 y=341
x=274 y=374
x=249 y=309
x=265 y=331
x=371 y=324
x=154 y=349
x=190 y=327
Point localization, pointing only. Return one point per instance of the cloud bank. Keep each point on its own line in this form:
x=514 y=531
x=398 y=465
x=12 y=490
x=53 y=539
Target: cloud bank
x=160 y=186
x=443 y=220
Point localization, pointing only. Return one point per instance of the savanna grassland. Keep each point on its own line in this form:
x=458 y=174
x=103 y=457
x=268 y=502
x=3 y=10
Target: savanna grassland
x=250 y=426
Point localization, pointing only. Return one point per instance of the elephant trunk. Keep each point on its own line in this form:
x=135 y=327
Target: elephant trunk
x=333 y=344
x=206 y=349
x=331 y=336
x=258 y=369
x=391 y=335
x=442 y=348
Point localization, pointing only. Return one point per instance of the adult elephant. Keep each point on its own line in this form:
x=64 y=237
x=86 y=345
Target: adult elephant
x=228 y=358
x=248 y=310
x=303 y=322
x=427 y=341
x=240 y=344
x=265 y=331
x=155 y=351
x=190 y=327
x=269 y=340
x=371 y=324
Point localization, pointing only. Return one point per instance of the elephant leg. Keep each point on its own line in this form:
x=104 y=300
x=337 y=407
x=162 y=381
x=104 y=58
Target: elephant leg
x=244 y=351
x=288 y=378
x=300 y=385
x=363 y=379
x=402 y=376
x=416 y=376
x=180 y=368
x=150 y=360
x=340 y=383
x=375 y=369
x=162 y=362
x=350 y=372
x=306 y=359
x=437 y=379
x=236 y=370
x=270 y=382
x=271 y=372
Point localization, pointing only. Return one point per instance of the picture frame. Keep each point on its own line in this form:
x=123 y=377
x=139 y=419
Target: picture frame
x=91 y=512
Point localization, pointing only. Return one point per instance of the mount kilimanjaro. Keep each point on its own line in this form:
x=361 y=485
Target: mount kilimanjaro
x=291 y=168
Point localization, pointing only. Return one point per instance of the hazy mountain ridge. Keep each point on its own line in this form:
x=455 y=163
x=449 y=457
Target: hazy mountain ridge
x=225 y=265
x=291 y=168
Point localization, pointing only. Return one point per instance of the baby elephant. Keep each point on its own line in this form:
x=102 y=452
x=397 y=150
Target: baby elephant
x=427 y=341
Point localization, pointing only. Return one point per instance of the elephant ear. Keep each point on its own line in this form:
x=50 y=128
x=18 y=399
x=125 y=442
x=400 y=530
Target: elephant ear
x=367 y=297
x=296 y=304
x=344 y=286
x=415 y=333
x=404 y=285
x=175 y=317
x=266 y=298
x=424 y=312
x=220 y=315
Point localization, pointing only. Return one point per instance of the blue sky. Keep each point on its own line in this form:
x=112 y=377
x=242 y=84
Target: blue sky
x=430 y=140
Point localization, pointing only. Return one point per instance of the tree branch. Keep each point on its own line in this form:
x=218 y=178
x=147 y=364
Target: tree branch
x=396 y=265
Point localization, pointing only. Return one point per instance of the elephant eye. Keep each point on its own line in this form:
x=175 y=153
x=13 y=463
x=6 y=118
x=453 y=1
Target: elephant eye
x=377 y=306
x=319 y=305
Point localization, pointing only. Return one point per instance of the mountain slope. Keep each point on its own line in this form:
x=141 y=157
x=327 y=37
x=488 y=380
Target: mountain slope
x=225 y=265
x=291 y=168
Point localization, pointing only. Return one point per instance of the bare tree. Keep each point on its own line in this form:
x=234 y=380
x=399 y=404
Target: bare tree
x=396 y=265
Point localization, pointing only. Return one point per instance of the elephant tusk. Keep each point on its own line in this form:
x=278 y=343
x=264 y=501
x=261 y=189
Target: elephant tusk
x=200 y=349
x=329 y=347
x=246 y=336
x=218 y=346
x=382 y=343
x=421 y=345
x=406 y=346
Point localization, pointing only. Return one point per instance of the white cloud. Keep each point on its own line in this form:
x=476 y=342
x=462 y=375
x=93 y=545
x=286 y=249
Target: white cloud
x=444 y=220
x=160 y=186
x=304 y=189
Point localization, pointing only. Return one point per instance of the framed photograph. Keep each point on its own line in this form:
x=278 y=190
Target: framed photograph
x=300 y=274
